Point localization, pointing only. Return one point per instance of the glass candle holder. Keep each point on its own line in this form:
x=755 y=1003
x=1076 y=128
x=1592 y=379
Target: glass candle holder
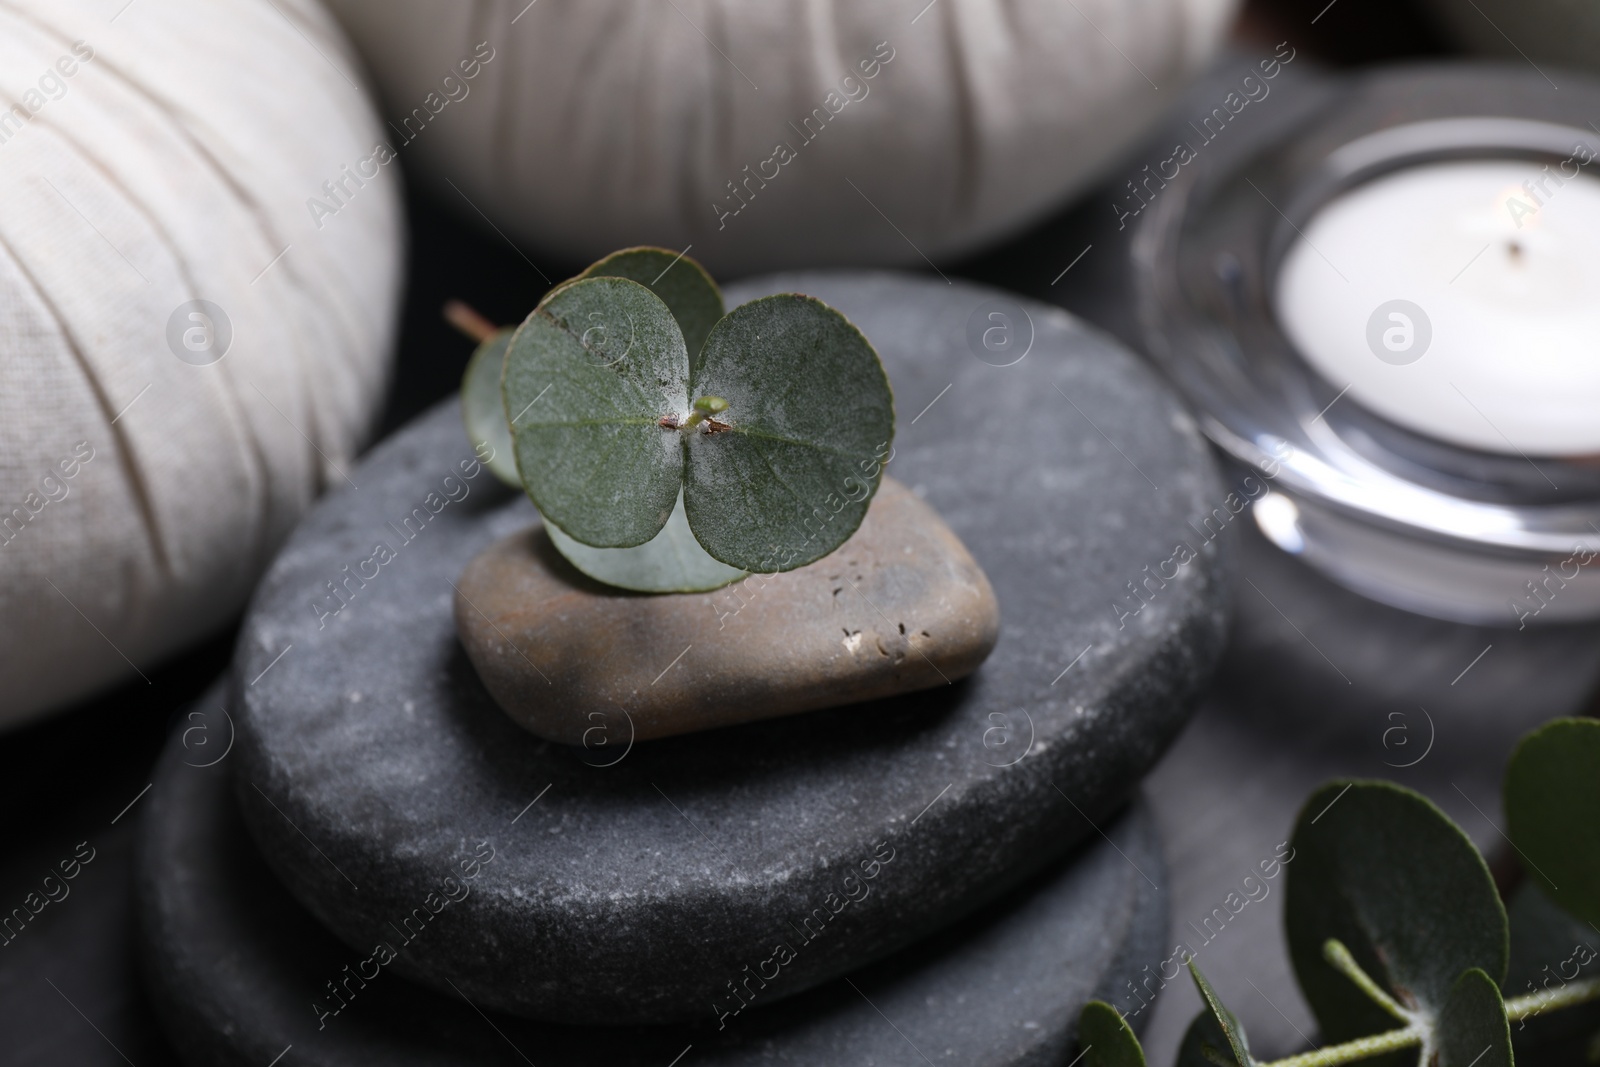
x=1386 y=300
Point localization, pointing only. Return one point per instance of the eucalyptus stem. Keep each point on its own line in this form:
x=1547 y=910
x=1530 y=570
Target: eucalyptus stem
x=466 y=318
x=1350 y=1051
x=704 y=408
x=1337 y=955
x=1517 y=1009
x=1531 y=1004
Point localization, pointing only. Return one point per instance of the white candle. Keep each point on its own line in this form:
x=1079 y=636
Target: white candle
x=1496 y=345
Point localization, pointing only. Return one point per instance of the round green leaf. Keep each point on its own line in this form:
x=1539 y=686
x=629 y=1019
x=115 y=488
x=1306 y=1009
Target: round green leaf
x=681 y=283
x=484 y=413
x=1383 y=870
x=670 y=562
x=810 y=419
x=1106 y=1038
x=1552 y=802
x=588 y=377
x=1471 y=1029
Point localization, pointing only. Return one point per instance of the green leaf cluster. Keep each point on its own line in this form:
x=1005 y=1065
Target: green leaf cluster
x=1397 y=933
x=672 y=447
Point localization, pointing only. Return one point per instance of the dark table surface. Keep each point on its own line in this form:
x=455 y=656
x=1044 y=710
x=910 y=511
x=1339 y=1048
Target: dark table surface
x=1316 y=683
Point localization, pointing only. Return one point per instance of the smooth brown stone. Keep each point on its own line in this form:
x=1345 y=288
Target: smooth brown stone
x=899 y=607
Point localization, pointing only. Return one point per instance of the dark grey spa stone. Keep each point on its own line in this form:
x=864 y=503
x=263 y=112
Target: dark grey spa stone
x=238 y=972
x=631 y=882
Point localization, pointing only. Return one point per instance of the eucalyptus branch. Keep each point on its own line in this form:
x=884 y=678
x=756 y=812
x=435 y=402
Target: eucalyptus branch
x=1531 y=1004
x=1359 y=1049
x=1517 y=1009
x=1450 y=1004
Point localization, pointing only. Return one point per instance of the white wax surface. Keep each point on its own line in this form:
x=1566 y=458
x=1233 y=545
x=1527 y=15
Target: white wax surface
x=1513 y=365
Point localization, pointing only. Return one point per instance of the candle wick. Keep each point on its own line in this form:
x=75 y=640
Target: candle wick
x=1516 y=251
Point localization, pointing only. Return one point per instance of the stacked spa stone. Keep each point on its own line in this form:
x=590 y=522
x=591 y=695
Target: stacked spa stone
x=386 y=868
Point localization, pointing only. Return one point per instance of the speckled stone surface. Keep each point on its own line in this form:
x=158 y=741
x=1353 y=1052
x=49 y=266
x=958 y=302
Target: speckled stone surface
x=238 y=972
x=631 y=882
x=901 y=606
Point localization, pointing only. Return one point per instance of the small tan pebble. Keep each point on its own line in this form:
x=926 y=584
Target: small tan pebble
x=899 y=607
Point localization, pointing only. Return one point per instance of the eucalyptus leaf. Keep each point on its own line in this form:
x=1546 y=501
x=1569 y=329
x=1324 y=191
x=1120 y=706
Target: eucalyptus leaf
x=1471 y=1029
x=1384 y=871
x=483 y=411
x=588 y=377
x=681 y=283
x=670 y=562
x=777 y=458
x=1227 y=1042
x=1552 y=802
x=810 y=418
x=1106 y=1038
